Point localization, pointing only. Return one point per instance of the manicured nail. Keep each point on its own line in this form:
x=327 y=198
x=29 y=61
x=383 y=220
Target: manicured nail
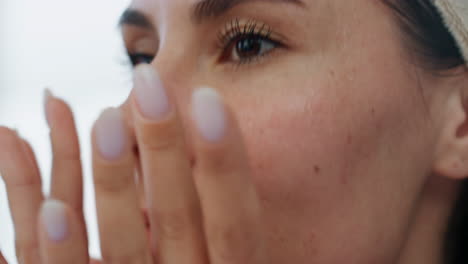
x=47 y=96
x=111 y=134
x=209 y=114
x=54 y=219
x=150 y=94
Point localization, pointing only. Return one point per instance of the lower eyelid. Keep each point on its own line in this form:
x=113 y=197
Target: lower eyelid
x=255 y=63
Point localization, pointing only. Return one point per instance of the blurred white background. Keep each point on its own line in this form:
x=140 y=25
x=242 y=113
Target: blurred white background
x=73 y=47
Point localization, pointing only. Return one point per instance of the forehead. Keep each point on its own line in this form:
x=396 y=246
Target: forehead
x=154 y=3
x=144 y=4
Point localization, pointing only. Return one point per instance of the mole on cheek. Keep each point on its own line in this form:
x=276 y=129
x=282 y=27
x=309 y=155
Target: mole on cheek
x=317 y=169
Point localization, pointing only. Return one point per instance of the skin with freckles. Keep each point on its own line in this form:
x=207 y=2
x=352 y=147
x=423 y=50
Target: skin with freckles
x=340 y=132
x=352 y=151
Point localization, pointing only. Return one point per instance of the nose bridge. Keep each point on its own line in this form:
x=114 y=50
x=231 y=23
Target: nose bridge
x=176 y=65
x=176 y=71
x=173 y=67
x=170 y=63
x=176 y=61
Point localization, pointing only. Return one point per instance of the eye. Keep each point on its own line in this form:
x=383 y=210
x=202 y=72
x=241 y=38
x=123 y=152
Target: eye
x=248 y=47
x=138 y=58
x=246 y=43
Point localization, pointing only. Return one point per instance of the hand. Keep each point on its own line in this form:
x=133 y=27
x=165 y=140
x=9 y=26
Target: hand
x=23 y=181
x=208 y=213
x=2 y=259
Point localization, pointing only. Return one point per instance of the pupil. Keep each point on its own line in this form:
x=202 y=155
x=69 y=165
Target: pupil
x=248 y=47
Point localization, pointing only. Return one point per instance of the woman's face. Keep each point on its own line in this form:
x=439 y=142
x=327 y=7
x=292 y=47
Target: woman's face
x=336 y=127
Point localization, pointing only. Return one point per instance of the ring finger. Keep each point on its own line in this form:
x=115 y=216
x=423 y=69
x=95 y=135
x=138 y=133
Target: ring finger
x=121 y=223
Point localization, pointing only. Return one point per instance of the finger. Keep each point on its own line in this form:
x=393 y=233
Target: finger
x=228 y=197
x=95 y=261
x=20 y=173
x=2 y=259
x=31 y=156
x=121 y=224
x=67 y=183
x=174 y=209
x=62 y=239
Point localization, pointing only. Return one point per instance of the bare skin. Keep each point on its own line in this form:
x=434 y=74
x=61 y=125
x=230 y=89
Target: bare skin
x=337 y=148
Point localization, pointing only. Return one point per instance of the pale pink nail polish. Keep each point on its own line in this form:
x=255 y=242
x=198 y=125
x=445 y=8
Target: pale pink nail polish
x=209 y=114
x=111 y=134
x=47 y=96
x=54 y=219
x=150 y=94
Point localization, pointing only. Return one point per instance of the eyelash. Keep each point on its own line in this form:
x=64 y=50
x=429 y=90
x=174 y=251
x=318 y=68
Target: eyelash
x=137 y=58
x=227 y=38
x=252 y=30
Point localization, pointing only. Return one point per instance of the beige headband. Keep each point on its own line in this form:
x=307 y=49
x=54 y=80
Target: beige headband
x=455 y=14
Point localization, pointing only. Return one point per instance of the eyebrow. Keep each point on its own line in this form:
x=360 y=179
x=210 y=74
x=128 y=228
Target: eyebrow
x=203 y=10
x=206 y=9
x=134 y=17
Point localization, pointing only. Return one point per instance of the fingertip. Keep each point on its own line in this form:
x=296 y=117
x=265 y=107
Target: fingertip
x=8 y=142
x=62 y=234
x=209 y=114
x=58 y=111
x=111 y=135
x=7 y=134
x=54 y=220
x=48 y=96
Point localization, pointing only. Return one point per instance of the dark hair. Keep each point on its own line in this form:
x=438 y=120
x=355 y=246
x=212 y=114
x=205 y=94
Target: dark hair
x=435 y=48
x=425 y=34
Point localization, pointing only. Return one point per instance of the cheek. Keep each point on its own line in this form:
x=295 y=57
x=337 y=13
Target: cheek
x=332 y=151
x=299 y=148
x=309 y=135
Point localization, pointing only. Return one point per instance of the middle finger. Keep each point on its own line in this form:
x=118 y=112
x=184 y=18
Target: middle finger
x=121 y=224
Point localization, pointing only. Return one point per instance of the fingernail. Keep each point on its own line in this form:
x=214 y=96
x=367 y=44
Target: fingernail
x=111 y=134
x=150 y=93
x=47 y=96
x=209 y=114
x=54 y=219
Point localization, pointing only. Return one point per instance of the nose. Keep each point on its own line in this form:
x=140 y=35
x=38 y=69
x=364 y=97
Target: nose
x=129 y=119
x=176 y=82
x=180 y=90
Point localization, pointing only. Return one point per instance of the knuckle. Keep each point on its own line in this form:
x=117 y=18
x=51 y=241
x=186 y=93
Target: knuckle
x=160 y=137
x=25 y=250
x=25 y=178
x=26 y=181
x=112 y=182
x=173 y=225
x=124 y=258
x=68 y=158
x=218 y=163
x=232 y=244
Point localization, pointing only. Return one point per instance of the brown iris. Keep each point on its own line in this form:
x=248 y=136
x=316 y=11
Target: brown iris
x=248 y=46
